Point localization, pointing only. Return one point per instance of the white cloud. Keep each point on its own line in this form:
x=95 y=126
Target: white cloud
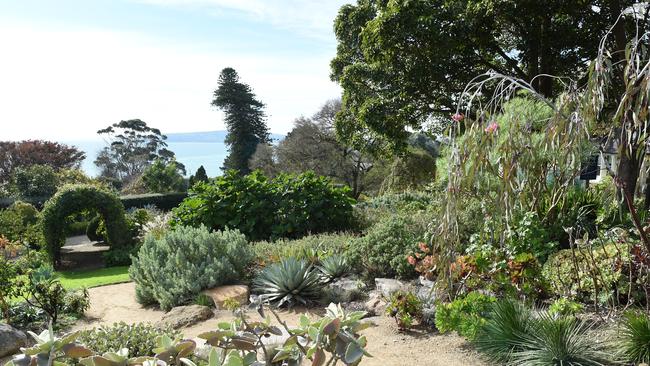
x=310 y=17
x=66 y=84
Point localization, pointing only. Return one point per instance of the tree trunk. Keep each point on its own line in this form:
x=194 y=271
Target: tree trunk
x=545 y=86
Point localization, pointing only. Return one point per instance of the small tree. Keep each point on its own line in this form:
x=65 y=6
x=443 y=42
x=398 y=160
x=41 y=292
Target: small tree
x=163 y=178
x=199 y=176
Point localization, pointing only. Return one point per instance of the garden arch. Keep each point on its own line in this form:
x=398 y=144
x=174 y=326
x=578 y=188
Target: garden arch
x=76 y=198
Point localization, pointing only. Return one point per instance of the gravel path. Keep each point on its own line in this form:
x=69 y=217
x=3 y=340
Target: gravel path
x=114 y=303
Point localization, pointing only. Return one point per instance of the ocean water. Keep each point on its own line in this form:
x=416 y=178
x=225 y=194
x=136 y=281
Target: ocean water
x=193 y=154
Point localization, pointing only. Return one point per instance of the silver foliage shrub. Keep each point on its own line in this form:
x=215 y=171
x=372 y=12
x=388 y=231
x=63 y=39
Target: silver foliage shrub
x=175 y=267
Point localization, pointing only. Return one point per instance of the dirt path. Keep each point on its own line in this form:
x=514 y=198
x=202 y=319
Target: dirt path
x=116 y=303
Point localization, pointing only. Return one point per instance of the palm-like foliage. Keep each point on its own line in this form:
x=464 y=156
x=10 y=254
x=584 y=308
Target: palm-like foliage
x=504 y=331
x=288 y=283
x=562 y=341
x=513 y=336
x=634 y=338
x=334 y=267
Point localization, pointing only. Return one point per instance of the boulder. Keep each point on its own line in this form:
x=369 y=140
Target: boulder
x=376 y=305
x=222 y=293
x=182 y=316
x=346 y=289
x=386 y=286
x=11 y=339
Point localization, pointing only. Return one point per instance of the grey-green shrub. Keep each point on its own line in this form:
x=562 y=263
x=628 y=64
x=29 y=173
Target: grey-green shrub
x=322 y=245
x=173 y=269
x=383 y=251
x=139 y=338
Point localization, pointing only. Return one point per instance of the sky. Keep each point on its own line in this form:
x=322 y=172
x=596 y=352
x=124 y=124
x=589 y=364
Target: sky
x=71 y=67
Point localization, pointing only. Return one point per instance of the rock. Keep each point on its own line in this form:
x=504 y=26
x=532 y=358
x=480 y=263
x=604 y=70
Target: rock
x=345 y=289
x=386 y=286
x=375 y=305
x=11 y=339
x=429 y=317
x=222 y=293
x=425 y=283
x=182 y=316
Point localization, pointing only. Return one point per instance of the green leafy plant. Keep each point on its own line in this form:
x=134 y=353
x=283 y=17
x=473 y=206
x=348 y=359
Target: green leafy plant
x=289 y=282
x=465 y=315
x=634 y=338
x=565 y=307
x=383 y=251
x=285 y=206
x=204 y=300
x=10 y=287
x=406 y=308
x=174 y=268
x=334 y=267
x=138 y=338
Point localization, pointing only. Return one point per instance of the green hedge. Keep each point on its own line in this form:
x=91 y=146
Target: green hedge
x=77 y=198
x=163 y=202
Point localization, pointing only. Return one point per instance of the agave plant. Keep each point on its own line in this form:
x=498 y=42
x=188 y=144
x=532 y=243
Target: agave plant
x=333 y=267
x=289 y=282
x=634 y=338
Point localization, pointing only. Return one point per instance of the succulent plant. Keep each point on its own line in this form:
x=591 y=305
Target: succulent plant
x=333 y=267
x=289 y=282
x=48 y=349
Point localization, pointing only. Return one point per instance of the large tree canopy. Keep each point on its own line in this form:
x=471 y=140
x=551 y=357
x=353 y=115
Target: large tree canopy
x=23 y=154
x=403 y=63
x=132 y=147
x=245 y=119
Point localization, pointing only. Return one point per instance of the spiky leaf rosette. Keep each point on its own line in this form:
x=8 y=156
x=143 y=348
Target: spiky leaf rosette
x=334 y=267
x=634 y=338
x=289 y=282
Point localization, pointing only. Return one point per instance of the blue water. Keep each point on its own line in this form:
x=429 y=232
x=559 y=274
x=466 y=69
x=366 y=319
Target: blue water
x=193 y=154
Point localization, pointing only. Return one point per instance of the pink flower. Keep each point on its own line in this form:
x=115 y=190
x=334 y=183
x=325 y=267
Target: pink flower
x=492 y=127
x=423 y=247
x=411 y=260
x=458 y=117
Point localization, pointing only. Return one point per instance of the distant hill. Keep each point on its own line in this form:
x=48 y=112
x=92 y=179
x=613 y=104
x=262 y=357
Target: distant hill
x=208 y=136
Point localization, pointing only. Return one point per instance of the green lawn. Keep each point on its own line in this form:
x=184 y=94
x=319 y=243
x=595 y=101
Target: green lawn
x=93 y=278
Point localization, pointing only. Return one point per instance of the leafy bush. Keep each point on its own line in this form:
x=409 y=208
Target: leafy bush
x=19 y=223
x=564 y=307
x=174 y=268
x=371 y=211
x=334 y=267
x=35 y=181
x=139 y=338
x=289 y=282
x=76 y=302
x=634 y=338
x=77 y=198
x=465 y=315
x=9 y=288
x=285 y=206
x=406 y=308
x=591 y=272
x=383 y=251
x=319 y=245
x=162 y=177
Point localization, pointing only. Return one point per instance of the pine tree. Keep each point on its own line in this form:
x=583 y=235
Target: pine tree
x=245 y=120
